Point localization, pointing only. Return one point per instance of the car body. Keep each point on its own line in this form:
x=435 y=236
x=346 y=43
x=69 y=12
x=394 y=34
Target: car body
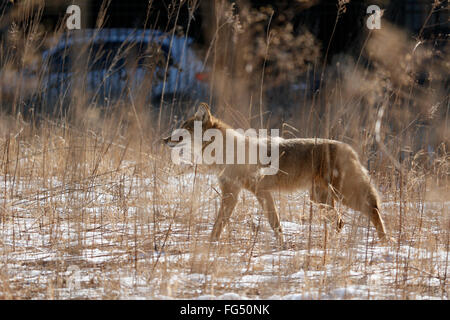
x=101 y=66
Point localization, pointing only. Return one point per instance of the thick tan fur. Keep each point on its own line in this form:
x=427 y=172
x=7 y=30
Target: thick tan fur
x=329 y=169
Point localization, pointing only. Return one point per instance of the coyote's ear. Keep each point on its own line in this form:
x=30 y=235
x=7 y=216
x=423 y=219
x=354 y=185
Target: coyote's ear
x=203 y=114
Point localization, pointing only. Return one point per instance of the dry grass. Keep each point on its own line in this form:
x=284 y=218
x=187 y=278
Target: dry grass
x=92 y=208
x=137 y=227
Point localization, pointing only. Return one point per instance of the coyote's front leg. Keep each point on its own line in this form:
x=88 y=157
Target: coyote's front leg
x=324 y=197
x=230 y=195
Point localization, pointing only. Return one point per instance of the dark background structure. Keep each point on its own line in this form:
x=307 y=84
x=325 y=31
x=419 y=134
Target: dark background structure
x=318 y=16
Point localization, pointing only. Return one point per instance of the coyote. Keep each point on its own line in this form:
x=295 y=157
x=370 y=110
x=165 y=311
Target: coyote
x=329 y=169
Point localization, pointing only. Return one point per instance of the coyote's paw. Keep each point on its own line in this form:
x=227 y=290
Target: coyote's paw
x=391 y=240
x=281 y=243
x=388 y=240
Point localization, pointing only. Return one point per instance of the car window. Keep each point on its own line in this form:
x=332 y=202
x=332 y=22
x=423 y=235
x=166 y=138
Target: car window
x=60 y=61
x=112 y=55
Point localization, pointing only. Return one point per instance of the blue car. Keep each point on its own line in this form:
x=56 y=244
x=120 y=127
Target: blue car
x=101 y=66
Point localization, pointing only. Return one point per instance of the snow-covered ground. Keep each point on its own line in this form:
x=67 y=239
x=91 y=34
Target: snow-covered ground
x=136 y=237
